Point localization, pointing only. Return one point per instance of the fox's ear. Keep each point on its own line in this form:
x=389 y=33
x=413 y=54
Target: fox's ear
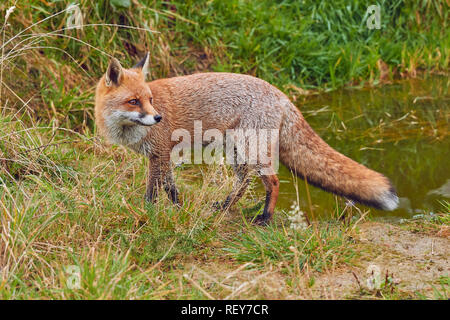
x=144 y=65
x=114 y=73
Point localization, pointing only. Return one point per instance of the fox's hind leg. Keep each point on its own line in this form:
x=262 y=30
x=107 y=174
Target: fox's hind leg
x=271 y=184
x=239 y=187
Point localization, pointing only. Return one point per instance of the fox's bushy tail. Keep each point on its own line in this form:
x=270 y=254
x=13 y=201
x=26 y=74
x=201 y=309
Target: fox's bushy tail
x=311 y=158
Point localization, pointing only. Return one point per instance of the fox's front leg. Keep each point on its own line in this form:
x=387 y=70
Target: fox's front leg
x=153 y=181
x=160 y=174
x=157 y=176
x=170 y=187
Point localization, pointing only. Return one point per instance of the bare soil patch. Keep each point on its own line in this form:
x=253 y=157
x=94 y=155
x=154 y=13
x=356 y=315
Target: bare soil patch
x=415 y=261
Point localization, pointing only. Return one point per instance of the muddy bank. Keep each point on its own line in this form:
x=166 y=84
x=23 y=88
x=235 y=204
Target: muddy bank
x=413 y=261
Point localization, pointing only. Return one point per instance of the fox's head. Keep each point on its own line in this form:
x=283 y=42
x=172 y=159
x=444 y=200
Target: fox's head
x=124 y=103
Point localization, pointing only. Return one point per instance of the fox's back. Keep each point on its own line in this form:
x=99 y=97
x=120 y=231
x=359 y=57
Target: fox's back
x=219 y=100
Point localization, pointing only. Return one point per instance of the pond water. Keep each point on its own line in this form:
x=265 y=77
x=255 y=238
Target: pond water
x=400 y=130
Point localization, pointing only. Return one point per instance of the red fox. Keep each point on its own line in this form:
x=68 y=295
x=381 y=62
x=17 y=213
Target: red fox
x=143 y=115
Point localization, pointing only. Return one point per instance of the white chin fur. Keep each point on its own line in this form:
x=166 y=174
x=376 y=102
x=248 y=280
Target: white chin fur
x=123 y=129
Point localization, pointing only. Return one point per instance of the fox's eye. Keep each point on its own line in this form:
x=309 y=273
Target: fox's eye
x=134 y=102
x=151 y=100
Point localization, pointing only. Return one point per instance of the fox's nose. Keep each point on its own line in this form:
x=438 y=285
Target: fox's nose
x=157 y=118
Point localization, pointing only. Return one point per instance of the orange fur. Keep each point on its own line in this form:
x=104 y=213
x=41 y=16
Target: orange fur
x=226 y=101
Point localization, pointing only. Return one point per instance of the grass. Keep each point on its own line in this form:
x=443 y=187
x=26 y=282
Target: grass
x=89 y=213
x=431 y=223
x=70 y=202
x=315 y=249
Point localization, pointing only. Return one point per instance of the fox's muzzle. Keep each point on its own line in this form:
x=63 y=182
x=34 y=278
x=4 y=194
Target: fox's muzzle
x=147 y=120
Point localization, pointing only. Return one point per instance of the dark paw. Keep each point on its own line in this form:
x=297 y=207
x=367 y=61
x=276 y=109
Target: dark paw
x=217 y=205
x=149 y=200
x=221 y=205
x=150 y=197
x=261 y=220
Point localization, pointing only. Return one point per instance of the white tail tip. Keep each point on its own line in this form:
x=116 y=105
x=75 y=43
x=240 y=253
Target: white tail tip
x=389 y=201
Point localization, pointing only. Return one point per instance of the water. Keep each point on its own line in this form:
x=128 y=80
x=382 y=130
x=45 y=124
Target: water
x=400 y=130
